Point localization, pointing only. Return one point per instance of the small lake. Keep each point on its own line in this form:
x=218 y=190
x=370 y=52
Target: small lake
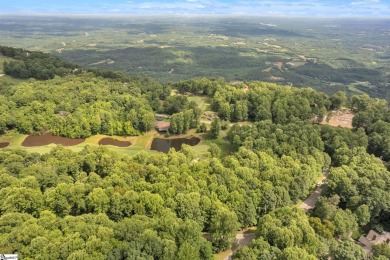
x=3 y=144
x=163 y=145
x=114 y=142
x=46 y=139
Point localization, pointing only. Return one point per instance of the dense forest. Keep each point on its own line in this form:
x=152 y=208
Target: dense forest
x=34 y=64
x=77 y=107
x=98 y=204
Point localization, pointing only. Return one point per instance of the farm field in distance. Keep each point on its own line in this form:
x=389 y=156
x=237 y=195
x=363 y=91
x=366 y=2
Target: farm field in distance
x=327 y=54
x=195 y=137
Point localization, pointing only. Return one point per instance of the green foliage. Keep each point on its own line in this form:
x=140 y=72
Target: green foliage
x=96 y=204
x=266 y=101
x=363 y=215
x=338 y=139
x=345 y=223
x=361 y=183
x=36 y=107
x=151 y=195
x=223 y=227
x=382 y=249
x=337 y=100
x=35 y=64
x=289 y=228
x=348 y=250
x=236 y=48
x=215 y=151
x=22 y=199
x=326 y=207
x=107 y=214
x=296 y=253
x=181 y=122
x=258 y=249
x=341 y=75
x=283 y=234
x=323 y=228
x=175 y=104
x=215 y=127
x=379 y=142
x=142 y=200
x=201 y=86
x=298 y=145
x=202 y=128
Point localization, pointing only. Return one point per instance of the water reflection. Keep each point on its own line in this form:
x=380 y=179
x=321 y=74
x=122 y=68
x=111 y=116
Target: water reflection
x=163 y=145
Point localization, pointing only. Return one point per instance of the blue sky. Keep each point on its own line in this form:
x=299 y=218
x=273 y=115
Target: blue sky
x=334 y=8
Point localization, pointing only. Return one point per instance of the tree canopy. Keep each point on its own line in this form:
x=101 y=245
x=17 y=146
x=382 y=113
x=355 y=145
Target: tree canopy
x=98 y=204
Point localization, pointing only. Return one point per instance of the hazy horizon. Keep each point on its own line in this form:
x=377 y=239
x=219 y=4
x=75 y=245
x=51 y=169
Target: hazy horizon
x=295 y=8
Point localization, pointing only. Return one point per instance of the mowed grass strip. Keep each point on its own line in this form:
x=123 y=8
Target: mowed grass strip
x=138 y=143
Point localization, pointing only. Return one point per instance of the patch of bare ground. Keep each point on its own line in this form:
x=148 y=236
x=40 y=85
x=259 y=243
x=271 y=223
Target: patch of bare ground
x=279 y=64
x=267 y=69
x=106 y=61
x=339 y=118
x=273 y=78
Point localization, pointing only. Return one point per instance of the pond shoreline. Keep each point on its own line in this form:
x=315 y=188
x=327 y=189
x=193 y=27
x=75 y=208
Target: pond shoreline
x=165 y=144
x=129 y=145
x=114 y=142
x=47 y=139
x=4 y=144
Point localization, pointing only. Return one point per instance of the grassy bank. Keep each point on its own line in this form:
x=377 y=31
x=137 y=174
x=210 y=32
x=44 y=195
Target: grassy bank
x=139 y=143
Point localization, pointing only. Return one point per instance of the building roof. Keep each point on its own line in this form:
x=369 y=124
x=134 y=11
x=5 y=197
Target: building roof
x=365 y=242
x=375 y=238
x=162 y=126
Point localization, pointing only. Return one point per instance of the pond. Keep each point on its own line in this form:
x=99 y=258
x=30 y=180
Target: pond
x=114 y=142
x=3 y=144
x=163 y=145
x=46 y=139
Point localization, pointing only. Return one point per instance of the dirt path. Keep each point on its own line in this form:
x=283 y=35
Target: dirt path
x=201 y=103
x=242 y=240
x=339 y=119
x=311 y=201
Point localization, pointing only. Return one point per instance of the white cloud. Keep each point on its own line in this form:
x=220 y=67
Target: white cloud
x=366 y=2
x=145 y=7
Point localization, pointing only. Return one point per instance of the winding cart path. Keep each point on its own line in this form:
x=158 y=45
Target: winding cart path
x=242 y=240
x=311 y=201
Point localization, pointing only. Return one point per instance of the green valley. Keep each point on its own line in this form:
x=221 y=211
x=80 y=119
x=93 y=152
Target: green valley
x=323 y=53
x=276 y=115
